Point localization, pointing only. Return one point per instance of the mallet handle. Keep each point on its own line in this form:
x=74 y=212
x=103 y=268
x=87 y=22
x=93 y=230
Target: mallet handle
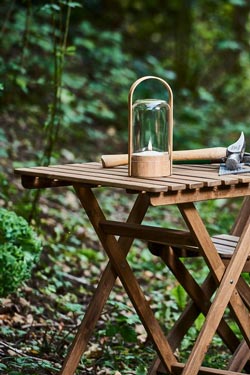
x=212 y=153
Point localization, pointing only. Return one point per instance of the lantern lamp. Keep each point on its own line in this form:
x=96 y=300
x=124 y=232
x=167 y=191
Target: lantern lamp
x=150 y=134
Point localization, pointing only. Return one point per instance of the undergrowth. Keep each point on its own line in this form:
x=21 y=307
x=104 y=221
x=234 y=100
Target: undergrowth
x=40 y=321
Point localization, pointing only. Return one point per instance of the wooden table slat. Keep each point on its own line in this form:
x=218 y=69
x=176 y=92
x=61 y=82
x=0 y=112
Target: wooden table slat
x=211 y=171
x=173 y=183
x=188 y=181
x=187 y=184
x=208 y=179
x=50 y=173
x=185 y=177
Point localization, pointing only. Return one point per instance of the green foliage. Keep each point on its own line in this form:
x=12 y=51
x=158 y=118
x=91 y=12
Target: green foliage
x=28 y=364
x=19 y=251
x=224 y=222
x=125 y=319
x=180 y=296
x=65 y=71
x=91 y=56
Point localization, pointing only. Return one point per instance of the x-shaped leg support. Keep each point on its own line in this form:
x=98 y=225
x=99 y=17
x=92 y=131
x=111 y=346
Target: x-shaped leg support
x=227 y=280
x=117 y=266
x=200 y=303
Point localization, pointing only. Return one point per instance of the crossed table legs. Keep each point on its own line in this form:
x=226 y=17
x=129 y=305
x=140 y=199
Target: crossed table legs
x=226 y=293
x=118 y=266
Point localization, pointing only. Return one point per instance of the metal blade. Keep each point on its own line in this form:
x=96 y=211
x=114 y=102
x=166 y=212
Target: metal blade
x=244 y=168
x=238 y=146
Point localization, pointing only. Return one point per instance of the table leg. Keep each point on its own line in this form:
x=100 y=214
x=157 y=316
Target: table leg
x=101 y=295
x=226 y=292
x=182 y=325
x=199 y=295
x=200 y=302
x=120 y=264
x=242 y=354
x=240 y=357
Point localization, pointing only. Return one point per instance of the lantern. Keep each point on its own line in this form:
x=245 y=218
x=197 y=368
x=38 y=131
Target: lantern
x=150 y=134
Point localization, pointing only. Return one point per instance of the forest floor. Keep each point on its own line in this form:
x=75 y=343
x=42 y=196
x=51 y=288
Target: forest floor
x=39 y=321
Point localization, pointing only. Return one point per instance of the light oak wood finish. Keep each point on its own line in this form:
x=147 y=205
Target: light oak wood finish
x=150 y=166
x=227 y=256
x=213 y=153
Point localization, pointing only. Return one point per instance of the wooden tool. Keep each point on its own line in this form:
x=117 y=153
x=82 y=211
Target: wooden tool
x=212 y=153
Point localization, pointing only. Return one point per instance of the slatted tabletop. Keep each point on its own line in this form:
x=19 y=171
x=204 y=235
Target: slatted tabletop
x=186 y=179
x=189 y=183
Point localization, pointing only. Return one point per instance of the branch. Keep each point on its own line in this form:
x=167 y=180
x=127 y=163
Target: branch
x=21 y=353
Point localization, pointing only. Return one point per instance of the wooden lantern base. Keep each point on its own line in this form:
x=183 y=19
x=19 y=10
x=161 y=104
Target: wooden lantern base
x=150 y=166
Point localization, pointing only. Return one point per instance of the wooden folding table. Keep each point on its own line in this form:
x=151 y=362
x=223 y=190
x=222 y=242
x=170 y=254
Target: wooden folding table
x=188 y=184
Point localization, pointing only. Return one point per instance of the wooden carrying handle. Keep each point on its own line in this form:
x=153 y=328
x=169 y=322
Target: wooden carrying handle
x=212 y=153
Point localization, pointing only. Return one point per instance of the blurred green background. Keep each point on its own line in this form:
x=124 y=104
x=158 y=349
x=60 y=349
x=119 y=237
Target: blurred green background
x=65 y=72
x=66 y=68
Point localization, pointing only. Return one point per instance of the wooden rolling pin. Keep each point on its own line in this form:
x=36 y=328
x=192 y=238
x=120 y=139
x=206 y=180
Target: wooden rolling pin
x=212 y=154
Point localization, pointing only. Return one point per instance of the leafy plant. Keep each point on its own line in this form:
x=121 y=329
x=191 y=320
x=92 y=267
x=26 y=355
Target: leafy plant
x=19 y=251
x=24 y=364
